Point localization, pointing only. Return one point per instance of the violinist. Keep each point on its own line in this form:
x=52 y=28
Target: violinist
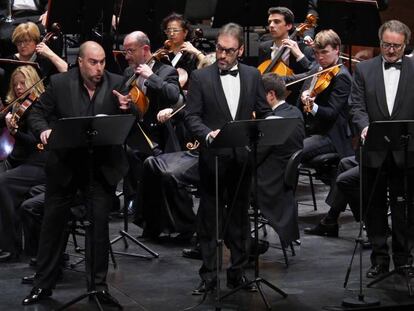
x=24 y=167
x=183 y=55
x=324 y=99
x=297 y=59
x=26 y=38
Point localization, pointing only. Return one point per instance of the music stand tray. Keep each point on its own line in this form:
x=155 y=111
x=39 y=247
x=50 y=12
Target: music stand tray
x=253 y=133
x=90 y=132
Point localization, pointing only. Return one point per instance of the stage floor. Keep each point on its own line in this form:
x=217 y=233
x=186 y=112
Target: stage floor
x=313 y=281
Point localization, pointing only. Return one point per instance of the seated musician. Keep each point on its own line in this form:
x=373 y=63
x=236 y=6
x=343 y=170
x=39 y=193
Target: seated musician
x=183 y=55
x=26 y=37
x=24 y=167
x=298 y=59
x=275 y=201
x=325 y=102
x=159 y=84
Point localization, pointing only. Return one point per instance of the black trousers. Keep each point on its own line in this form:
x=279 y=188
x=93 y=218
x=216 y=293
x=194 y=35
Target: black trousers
x=58 y=200
x=315 y=145
x=236 y=237
x=15 y=183
x=390 y=178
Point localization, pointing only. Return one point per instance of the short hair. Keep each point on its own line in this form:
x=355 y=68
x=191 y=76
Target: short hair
x=26 y=30
x=31 y=77
x=185 y=24
x=273 y=82
x=287 y=14
x=140 y=37
x=234 y=30
x=395 y=26
x=327 y=37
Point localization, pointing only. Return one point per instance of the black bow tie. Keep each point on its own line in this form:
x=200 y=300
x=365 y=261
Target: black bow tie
x=388 y=65
x=233 y=72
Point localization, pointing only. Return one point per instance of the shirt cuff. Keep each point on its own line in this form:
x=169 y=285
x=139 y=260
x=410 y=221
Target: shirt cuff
x=314 y=109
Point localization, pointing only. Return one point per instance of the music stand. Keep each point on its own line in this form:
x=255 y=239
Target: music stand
x=90 y=132
x=343 y=16
x=396 y=136
x=252 y=133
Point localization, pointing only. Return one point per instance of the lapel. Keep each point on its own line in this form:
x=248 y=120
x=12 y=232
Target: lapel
x=74 y=91
x=243 y=91
x=401 y=88
x=219 y=92
x=380 y=90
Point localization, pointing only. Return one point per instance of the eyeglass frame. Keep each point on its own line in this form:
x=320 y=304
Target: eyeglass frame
x=23 y=42
x=396 y=47
x=229 y=51
x=173 y=30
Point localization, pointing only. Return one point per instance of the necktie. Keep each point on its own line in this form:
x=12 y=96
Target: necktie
x=396 y=65
x=229 y=72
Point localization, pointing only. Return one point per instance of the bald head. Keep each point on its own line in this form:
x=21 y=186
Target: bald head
x=137 y=48
x=91 y=63
x=138 y=37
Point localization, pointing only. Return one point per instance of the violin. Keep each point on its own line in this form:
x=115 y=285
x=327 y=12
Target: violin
x=138 y=98
x=320 y=84
x=22 y=107
x=277 y=65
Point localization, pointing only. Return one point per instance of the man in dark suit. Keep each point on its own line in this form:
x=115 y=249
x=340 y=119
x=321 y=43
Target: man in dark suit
x=298 y=59
x=380 y=92
x=224 y=91
x=83 y=91
x=326 y=115
x=276 y=201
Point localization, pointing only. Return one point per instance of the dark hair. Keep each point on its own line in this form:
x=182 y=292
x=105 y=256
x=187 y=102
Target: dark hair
x=185 y=24
x=273 y=82
x=287 y=14
x=395 y=26
x=234 y=30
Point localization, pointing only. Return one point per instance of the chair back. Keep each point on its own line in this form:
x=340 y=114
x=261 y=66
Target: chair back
x=291 y=172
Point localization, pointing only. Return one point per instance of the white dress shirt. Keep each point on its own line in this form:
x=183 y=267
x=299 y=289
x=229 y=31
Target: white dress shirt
x=24 y=5
x=231 y=87
x=391 y=80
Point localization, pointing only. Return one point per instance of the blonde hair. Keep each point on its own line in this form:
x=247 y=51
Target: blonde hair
x=26 y=30
x=327 y=37
x=31 y=77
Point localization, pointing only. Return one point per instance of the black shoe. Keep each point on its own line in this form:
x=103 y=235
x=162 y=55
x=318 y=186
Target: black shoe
x=106 y=298
x=323 y=229
x=204 y=287
x=193 y=253
x=5 y=256
x=33 y=262
x=243 y=281
x=376 y=270
x=29 y=279
x=403 y=270
x=36 y=294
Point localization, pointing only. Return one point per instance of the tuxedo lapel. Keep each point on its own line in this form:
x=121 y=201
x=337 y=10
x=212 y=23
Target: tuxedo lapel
x=219 y=93
x=244 y=85
x=402 y=84
x=380 y=89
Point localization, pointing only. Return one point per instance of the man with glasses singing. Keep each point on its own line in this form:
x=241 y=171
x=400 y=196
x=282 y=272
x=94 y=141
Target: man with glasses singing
x=381 y=91
x=217 y=94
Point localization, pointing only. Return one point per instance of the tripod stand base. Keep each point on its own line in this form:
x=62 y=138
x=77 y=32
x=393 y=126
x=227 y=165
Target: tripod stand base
x=93 y=296
x=401 y=270
x=361 y=301
x=125 y=235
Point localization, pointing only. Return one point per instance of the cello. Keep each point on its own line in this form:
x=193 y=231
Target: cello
x=276 y=65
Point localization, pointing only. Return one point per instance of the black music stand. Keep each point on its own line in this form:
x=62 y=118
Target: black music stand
x=395 y=136
x=252 y=133
x=90 y=132
x=347 y=18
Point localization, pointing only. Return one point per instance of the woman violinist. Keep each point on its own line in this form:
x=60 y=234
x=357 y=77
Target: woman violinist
x=24 y=167
x=325 y=103
x=183 y=55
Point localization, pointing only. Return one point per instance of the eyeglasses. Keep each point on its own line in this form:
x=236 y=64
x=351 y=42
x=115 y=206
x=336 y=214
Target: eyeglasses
x=23 y=42
x=172 y=30
x=130 y=51
x=387 y=46
x=229 y=51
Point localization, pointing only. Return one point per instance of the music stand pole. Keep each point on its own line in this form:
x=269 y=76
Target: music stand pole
x=87 y=131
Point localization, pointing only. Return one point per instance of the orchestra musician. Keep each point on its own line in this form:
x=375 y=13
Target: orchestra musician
x=380 y=92
x=297 y=58
x=224 y=91
x=325 y=100
x=24 y=167
x=83 y=91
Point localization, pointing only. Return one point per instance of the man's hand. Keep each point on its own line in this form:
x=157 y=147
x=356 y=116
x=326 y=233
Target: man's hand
x=123 y=100
x=294 y=48
x=309 y=41
x=213 y=134
x=44 y=136
x=144 y=71
x=164 y=115
x=364 y=133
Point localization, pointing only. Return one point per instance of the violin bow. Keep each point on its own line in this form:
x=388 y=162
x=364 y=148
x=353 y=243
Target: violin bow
x=312 y=75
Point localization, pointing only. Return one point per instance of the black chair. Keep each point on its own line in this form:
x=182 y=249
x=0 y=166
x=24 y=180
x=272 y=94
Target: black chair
x=322 y=167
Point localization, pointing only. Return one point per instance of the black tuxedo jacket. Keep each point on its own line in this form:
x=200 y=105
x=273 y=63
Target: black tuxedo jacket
x=62 y=100
x=368 y=102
